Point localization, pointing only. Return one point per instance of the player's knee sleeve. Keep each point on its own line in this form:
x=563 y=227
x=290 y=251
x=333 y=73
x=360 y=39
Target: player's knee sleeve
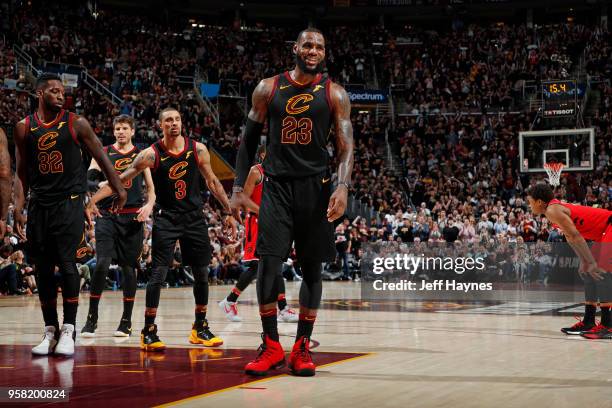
x=158 y=276
x=128 y=284
x=267 y=287
x=312 y=285
x=247 y=276
x=70 y=280
x=200 y=285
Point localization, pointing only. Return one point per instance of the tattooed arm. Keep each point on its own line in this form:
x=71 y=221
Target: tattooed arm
x=213 y=183
x=215 y=187
x=341 y=106
x=250 y=141
x=145 y=211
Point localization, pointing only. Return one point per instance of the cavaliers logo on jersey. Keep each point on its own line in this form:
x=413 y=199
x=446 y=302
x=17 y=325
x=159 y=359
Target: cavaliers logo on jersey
x=47 y=141
x=178 y=170
x=81 y=252
x=123 y=164
x=298 y=104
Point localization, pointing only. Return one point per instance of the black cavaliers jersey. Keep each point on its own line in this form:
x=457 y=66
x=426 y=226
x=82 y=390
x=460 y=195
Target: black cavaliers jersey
x=121 y=161
x=57 y=166
x=177 y=178
x=299 y=125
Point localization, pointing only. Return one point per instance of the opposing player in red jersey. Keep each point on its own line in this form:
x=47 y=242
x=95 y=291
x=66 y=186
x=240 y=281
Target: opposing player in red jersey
x=580 y=223
x=253 y=188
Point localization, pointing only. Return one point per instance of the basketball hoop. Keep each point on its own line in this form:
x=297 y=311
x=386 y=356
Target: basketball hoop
x=554 y=172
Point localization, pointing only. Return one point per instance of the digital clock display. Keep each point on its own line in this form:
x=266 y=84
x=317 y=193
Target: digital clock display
x=559 y=88
x=559 y=98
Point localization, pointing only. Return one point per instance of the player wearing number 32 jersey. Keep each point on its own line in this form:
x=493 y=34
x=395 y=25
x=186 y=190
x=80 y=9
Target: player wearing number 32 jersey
x=53 y=147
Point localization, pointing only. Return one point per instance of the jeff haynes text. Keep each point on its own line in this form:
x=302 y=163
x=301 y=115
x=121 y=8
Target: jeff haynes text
x=439 y=284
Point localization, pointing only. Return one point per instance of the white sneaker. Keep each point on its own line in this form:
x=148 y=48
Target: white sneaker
x=230 y=309
x=65 y=345
x=48 y=343
x=288 y=315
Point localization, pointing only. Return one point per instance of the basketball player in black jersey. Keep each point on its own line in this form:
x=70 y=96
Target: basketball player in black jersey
x=298 y=205
x=119 y=234
x=176 y=164
x=52 y=152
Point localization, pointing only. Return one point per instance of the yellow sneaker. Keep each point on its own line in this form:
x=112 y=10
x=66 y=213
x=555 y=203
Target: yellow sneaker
x=149 y=340
x=200 y=334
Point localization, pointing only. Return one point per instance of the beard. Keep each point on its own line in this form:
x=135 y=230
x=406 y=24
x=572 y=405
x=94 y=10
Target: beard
x=51 y=107
x=304 y=68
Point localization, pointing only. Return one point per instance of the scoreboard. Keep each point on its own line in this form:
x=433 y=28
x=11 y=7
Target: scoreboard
x=559 y=98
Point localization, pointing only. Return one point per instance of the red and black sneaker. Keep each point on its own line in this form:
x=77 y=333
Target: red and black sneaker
x=271 y=356
x=300 y=360
x=578 y=328
x=598 y=332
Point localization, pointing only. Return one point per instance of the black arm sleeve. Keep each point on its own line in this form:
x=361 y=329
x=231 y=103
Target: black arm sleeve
x=94 y=177
x=247 y=151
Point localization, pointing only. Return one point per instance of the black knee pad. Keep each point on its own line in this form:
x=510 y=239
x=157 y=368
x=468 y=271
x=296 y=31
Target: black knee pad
x=312 y=285
x=158 y=276
x=200 y=273
x=267 y=287
x=311 y=272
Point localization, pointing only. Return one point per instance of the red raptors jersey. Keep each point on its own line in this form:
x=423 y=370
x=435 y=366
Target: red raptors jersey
x=250 y=238
x=590 y=222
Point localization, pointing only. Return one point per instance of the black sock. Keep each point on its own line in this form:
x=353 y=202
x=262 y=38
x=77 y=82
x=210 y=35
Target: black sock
x=605 y=316
x=282 y=302
x=128 y=306
x=200 y=316
x=589 y=314
x=150 y=318
x=49 y=311
x=71 y=305
x=305 y=326
x=94 y=302
x=269 y=324
x=233 y=296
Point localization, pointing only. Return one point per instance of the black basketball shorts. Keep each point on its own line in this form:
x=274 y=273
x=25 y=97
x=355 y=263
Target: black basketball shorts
x=119 y=237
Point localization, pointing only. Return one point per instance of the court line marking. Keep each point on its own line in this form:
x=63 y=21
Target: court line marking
x=234 y=387
x=217 y=359
x=104 y=365
x=133 y=371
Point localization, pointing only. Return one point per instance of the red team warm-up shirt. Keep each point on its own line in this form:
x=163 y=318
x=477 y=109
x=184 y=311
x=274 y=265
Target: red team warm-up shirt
x=250 y=223
x=594 y=224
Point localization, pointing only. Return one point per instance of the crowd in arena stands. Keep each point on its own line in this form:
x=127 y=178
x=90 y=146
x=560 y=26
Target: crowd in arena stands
x=476 y=68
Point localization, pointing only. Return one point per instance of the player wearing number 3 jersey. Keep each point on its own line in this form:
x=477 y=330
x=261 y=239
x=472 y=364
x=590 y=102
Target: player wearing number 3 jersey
x=177 y=164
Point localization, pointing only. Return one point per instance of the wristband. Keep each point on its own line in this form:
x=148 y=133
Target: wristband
x=237 y=189
x=345 y=184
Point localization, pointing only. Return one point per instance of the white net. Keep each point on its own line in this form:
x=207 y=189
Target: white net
x=554 y=173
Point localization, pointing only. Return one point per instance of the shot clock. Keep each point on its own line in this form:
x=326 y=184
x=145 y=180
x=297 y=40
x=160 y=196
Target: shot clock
x=559 y=98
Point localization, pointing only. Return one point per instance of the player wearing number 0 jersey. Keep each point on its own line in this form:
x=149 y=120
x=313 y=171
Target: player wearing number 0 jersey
x=578 y=224
x=177 y=164
x=53 y=147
